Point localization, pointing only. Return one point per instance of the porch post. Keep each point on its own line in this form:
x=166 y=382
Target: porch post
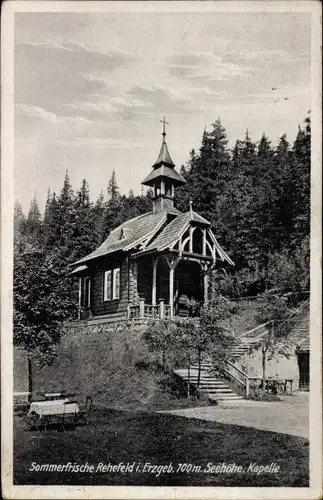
x=154 y=286
x=171 y=290
x=204 y=242
x=172 y=263
x=161 y=308
x=206 y=287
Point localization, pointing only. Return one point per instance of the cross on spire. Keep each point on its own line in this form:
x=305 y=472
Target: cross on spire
x=164 y=122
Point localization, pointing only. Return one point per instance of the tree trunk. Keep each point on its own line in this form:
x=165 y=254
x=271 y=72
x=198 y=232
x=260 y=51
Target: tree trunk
x=264 y=370
x=164 y=360
x=30 y=378
x=189 y=378
x=198 y=374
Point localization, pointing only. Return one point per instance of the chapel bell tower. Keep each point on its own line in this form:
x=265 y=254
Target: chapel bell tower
x=164 y=178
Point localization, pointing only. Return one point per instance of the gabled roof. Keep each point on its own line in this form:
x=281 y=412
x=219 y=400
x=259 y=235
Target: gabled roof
x=129 y=234
x=174 y=229
x=158 y=231
x=172 y=232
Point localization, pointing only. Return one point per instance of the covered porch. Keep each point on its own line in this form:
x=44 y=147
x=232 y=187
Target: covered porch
x=168 y=285
x=170 y=276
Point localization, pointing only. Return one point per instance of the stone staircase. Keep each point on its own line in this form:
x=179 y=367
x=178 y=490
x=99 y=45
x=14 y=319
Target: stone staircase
x=217 y=389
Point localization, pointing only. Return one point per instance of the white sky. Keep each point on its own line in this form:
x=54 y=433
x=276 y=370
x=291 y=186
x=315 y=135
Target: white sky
x=91 y=89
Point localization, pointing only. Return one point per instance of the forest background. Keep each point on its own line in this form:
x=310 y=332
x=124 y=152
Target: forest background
x=256 y=196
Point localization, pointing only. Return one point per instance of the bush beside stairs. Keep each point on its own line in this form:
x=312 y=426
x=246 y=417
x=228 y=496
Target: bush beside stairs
x=217 y=389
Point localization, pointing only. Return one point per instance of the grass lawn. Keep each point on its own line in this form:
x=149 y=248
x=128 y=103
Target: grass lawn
x=115 y=436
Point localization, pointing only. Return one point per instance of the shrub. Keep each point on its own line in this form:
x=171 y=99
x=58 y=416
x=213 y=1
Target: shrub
x=259 y=395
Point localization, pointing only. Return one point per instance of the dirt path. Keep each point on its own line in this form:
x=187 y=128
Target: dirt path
x=289 y=416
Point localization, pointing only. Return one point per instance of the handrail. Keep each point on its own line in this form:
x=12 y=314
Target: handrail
x=236 y=368
x=253 y=329
x=246 y=380
x=235 y=378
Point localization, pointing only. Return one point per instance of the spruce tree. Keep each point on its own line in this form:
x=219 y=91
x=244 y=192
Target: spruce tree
x=33 y=227
x=84 y=235
x=19 y=221
x=208 y=174
x=301 y=171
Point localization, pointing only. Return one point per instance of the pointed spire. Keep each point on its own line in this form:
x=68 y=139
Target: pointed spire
x=164 y=156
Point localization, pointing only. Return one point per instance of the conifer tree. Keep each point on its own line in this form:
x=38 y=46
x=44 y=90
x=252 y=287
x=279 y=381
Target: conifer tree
x=19 y=220
x=98 y=212
x=208 y=174
x=113 y=188
x=33 y=227
x=301 y=171
x=84 y=235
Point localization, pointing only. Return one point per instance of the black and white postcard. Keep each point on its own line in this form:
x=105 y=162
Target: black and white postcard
x=161 y=246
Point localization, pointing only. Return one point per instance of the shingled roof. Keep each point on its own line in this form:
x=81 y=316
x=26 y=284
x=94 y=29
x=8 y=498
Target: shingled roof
x=129 y=234
x=157 y=231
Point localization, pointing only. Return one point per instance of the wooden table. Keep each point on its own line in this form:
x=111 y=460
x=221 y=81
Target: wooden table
x=55 y=407
x=280 y=384
x=52 y=411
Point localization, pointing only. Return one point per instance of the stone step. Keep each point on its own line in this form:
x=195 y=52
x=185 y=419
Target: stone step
x=203 y=368
x=205 y=375
x=213 y=390
x=225 y=397
x=206 y=381
x=232 y=403
x=216 y=389
x=218 y=384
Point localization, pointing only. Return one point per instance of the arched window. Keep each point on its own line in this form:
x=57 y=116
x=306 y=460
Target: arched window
x=198 y=241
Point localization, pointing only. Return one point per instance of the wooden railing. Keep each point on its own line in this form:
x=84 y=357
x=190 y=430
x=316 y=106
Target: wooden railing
x=151 y=311
x=237 y=377
x=142 y=310
x=134 y=311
